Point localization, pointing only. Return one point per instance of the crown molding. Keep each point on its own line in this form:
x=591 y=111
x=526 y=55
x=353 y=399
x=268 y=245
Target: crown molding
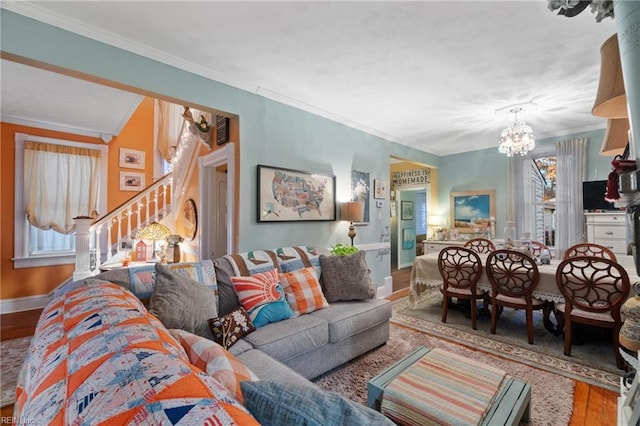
x=46 y=16
x=20 y=121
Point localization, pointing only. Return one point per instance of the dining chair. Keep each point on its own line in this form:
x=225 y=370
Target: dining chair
x=461 y=269
x=536 y=249
x=480 y=245
x=589 y=249
x=513 y=276
x=594 y=289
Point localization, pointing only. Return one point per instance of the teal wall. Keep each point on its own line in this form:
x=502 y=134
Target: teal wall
x=487 y=169
x=407 y=255
x=270 y=133
x=274 y=134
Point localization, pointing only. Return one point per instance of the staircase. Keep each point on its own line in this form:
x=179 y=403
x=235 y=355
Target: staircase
x=98 y=241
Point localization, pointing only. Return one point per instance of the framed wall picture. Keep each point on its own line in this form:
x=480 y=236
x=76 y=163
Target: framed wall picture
x=472 y=210
x=132 y=181
x=286 y=195
x=406 y=210
x=380 y=188
x=360 y=191
x=131 y=158
x=408 y=238
x=190 y=219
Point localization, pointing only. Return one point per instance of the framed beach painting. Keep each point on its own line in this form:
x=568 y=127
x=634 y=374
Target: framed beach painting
x=472 y=210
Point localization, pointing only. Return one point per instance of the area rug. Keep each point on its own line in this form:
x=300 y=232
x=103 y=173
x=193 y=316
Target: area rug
x=12 y=354
x=591 y=361
x=551 y=394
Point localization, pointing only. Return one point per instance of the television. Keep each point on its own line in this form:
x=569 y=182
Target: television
x=593 y=196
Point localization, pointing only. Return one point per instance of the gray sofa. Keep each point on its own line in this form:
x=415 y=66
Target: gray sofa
x=310 y=344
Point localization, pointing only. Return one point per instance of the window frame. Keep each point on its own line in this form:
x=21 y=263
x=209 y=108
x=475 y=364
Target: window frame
x=22 y=258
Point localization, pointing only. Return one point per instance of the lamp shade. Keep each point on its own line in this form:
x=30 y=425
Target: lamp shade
x=616 y=137
x=611 y=100
x=153 y=231
x=630 y=331
x=352 y=211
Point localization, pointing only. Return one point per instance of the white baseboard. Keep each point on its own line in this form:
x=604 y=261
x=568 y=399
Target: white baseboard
x=20 y=304
x=405 y=265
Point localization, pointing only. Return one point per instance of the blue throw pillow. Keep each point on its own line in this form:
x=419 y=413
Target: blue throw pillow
x=262 y=296
x=279 y=404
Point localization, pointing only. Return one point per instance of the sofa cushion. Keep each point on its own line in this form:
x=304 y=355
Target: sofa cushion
x=273 y=403
x=227 y=297
x=98 y=357
x=346 y=319
x=290 y=338
x=295 y=258
x=267 y=368
x=303 y=291
x=214 y=360
x=140 y=280
x=263 y=297
x=229 y=329
x=180 y=302
x=346 y=277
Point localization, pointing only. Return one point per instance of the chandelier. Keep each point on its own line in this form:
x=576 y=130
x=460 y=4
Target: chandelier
x=517 y=139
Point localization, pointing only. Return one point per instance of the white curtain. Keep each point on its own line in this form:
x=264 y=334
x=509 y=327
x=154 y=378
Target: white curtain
x=60 y=183
x=170 y=124
x=571 y=169
x=516 y=188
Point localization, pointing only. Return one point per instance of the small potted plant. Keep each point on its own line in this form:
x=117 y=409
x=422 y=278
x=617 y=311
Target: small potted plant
x=343 y=250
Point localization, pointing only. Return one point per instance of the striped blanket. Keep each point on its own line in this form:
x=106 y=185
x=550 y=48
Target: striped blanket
x=442 y=388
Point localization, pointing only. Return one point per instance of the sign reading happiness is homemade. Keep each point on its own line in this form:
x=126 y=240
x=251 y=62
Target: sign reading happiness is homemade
x=411 y=177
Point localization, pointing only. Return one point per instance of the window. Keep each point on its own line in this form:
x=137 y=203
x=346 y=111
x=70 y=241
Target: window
x=34 y=246
x=545 y=199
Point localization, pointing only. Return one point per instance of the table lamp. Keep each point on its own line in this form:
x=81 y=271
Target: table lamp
x=153 y=231
x=352 y=211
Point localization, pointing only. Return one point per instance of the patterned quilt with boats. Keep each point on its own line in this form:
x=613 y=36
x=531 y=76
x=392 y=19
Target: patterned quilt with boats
x=98 y=357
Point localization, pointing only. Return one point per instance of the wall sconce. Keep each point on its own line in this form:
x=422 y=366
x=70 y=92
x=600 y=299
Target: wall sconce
x=352 y=211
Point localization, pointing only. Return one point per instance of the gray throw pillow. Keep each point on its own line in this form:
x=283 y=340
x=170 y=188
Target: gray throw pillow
x=180 y=302
x=273 y=403
x=346 y=277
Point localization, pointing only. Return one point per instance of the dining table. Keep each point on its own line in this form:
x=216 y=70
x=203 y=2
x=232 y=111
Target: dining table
x=425 y=278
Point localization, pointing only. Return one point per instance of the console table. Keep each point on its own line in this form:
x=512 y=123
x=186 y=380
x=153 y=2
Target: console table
x=431 y=246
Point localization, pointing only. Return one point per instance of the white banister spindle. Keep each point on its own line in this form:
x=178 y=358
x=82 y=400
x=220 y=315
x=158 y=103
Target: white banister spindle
x=109 y=242
x=147 y=219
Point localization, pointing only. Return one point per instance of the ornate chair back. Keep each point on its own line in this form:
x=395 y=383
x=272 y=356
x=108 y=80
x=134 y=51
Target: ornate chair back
x=589 y=249
x=459 y=267
x=594 y=289
x=512 y=273
x=480 y=245
x=536 y=249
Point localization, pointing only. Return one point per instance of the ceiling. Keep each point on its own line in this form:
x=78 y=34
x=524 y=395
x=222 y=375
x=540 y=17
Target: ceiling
x=429 y=74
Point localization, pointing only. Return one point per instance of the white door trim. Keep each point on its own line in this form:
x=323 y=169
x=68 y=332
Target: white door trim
x=207 y=167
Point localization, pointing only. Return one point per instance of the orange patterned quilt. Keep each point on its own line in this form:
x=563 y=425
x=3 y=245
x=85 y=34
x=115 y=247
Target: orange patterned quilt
x=98 y=357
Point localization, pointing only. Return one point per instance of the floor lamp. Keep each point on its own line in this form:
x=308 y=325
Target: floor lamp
x=352 y=211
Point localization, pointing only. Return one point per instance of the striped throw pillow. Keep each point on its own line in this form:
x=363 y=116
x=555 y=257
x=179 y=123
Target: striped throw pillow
x=216 y=361
x=303 y=291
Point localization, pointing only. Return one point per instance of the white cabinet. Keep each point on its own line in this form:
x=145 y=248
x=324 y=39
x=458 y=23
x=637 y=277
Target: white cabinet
x=431 y=246
x=609 y=230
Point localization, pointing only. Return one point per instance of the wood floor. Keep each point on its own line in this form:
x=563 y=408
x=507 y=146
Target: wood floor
x=592 y=405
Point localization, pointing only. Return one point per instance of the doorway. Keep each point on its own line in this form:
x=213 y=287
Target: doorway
x=408 y=225
x=216 y=189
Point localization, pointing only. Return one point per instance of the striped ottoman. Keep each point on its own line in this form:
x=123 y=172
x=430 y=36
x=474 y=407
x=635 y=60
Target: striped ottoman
x=438 y=387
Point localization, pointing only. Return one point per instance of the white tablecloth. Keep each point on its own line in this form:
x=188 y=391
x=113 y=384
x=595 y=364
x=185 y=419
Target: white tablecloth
x=425 y=277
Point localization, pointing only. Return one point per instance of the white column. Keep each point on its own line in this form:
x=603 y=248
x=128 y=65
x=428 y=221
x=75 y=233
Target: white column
x=83 y=247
